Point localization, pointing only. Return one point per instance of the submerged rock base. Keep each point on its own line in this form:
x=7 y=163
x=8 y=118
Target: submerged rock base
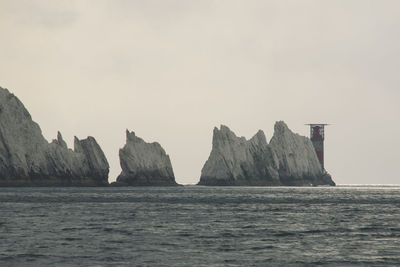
x=51 y=181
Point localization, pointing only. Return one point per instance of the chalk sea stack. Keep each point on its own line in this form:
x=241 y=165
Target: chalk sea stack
x=27 y=159
x=237 y=161
x=288 y=160
x=144 y=164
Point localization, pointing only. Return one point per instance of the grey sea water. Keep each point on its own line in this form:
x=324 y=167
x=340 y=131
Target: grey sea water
x=200 y=226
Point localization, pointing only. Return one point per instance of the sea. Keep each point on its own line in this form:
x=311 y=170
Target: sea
x=200 y=226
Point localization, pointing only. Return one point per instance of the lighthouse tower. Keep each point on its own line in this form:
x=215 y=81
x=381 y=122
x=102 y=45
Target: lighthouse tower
x=317 y=136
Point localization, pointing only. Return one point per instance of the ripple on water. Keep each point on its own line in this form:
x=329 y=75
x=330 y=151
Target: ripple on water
x=199 y=226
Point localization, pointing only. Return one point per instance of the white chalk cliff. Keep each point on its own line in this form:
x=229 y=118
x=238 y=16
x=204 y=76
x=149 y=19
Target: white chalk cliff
x=144 y=164
x=237 y=161
x=289 y=159
x=27 y=159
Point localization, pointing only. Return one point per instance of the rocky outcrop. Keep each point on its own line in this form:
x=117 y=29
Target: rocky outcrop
x=289 y=159
x=237 y=161
x=144 y=164
x=27 y=159
x=298 y=162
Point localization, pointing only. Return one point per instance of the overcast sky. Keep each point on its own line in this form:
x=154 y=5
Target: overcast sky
x=172 y=70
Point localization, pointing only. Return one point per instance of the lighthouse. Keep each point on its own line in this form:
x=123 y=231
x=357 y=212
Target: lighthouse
x=317 y=136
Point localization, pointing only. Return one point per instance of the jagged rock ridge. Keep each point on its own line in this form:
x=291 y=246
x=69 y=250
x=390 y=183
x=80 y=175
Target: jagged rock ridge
x=237 y=161
x=144 y=164
x=289 y=159
x=27 y=159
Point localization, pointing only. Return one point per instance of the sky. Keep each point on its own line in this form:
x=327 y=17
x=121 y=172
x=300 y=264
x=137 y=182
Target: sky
x=172 y=70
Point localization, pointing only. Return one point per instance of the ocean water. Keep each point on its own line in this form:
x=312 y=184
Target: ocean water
x=200 y=226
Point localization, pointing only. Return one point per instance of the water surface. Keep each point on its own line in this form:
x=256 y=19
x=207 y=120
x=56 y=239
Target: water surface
x=200 y=226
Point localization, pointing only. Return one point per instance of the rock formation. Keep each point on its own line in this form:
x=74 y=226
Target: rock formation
x=144 y=164
x=298 y=162
x=27 y=159
x=237 y=161
x=289 y=159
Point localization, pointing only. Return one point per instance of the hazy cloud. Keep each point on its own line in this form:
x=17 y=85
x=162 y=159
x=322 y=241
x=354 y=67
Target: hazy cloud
x=172 y=70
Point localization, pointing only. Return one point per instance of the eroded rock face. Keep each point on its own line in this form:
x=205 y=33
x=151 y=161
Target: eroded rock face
x=289 y=159
x=144 y=164
x=298 y=162
x=237 y=161
x=27 y=159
